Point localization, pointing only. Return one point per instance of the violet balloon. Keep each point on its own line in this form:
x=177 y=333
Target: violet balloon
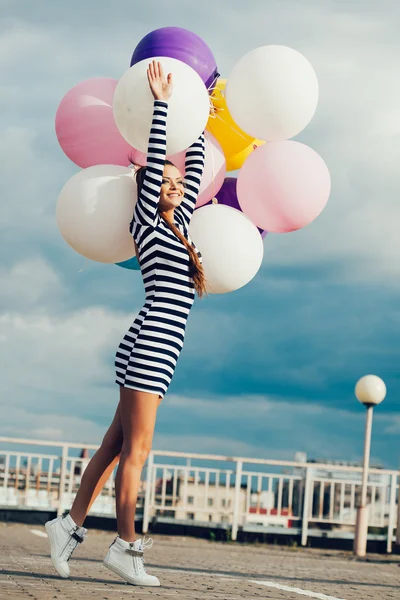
x=181 y=44
x=227 y=195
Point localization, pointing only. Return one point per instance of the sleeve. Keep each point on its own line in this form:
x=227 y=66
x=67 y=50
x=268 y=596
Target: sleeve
x=146 y=208
x=194 y=166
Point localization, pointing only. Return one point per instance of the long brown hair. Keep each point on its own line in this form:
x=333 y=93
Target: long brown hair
x=196 y=271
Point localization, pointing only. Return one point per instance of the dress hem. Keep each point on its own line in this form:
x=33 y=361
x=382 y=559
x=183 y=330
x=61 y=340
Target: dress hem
x=140 y=389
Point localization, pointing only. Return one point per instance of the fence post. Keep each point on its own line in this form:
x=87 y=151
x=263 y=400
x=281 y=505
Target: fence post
x=147 y=496
x=27 y=479
x=392 y=511
x=61 y=484
x=238 y=484
x=306 y=507
x=398 y=518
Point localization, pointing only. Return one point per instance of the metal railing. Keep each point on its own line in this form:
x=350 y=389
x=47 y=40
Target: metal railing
x=233 y=493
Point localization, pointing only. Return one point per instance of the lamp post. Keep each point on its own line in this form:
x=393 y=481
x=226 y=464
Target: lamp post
x=370 y=391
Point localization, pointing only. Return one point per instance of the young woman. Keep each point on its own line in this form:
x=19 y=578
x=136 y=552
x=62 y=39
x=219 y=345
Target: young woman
x=172 y=273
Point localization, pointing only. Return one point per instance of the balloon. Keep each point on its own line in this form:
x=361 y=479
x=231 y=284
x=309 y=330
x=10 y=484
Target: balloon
x=236 y=144
x=94 y=210
x=181 y=44
x=237 y=160
x=131 y=264
x=85 y=125
x=283 y=186
x=188 y=106
x=272 y=92
x=214 y=169
x=227 y=196
x=230 y=244
x=139 y=158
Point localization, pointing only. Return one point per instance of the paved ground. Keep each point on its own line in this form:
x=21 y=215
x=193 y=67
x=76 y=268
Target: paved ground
x=189 y=568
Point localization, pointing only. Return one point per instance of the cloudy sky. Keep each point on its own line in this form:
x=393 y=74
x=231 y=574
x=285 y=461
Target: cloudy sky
x=267 y=370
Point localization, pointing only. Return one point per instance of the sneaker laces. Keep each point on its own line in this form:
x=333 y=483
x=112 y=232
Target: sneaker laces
x=145 y=545
x=137 y=553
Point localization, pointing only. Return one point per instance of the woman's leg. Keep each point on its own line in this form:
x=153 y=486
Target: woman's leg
x=138 y=412
x=98 y=470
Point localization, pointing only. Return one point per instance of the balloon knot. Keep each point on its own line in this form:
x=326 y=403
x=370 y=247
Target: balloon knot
x=215 y=200
x=213 y=110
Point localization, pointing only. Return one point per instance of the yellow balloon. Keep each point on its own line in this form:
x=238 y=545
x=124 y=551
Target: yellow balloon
x=237 y=160
x=236 y=144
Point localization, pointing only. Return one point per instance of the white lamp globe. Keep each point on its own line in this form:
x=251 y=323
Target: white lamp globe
x=370 y=390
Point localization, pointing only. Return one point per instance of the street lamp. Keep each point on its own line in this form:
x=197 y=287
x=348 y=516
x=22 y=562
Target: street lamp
x=370 y=391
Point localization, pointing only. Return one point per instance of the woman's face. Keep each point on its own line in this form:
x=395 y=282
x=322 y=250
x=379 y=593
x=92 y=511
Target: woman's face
x=172 y=189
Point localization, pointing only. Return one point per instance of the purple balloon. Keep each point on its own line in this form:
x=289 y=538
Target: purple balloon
x=227 y=195
x=181 y=44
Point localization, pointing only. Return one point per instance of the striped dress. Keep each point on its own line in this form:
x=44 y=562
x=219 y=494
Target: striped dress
x=147 y=355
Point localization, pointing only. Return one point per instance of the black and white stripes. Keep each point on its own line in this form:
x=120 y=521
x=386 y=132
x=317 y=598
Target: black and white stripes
x=146 y=358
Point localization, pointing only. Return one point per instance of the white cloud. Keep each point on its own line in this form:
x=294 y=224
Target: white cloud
x=50 y=357
x=32 y=282
x=393 y=425
x=29 y=186
x=24 y=423
x=202 y=444
x=59 y=353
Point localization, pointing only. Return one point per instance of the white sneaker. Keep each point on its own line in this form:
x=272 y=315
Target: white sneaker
x=64 y=536
x=126 y=560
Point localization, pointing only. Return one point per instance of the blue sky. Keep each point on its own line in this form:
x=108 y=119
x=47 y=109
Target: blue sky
x=267 y=370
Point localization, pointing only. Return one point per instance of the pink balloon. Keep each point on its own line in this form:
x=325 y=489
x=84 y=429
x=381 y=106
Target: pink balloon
x=214 y=167
x=85 y=125
x=138 y=157
x=283 y=186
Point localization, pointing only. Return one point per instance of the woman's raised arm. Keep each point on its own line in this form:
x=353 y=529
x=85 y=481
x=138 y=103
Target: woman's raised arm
x=146 y=209
x=194 y=166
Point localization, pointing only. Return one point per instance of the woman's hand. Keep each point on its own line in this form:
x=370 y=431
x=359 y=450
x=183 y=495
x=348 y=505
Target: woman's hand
x=161 y=87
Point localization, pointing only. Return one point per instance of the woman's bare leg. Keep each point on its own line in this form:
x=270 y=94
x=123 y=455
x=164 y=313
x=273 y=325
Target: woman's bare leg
x=138 y=412
x=99 y=469
x=102 y=481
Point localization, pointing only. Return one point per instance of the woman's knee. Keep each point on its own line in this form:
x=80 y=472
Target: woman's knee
x=136 y=451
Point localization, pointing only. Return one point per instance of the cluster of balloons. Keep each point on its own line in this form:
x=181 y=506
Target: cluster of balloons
x=103 y=125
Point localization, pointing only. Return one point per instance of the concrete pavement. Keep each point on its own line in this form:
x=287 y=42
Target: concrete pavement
x=190 y=568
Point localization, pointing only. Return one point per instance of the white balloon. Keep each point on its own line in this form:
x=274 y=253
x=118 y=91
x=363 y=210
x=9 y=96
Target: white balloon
x=94 y=210
x=230 y=244
x=272 y=93
x=188 y=106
